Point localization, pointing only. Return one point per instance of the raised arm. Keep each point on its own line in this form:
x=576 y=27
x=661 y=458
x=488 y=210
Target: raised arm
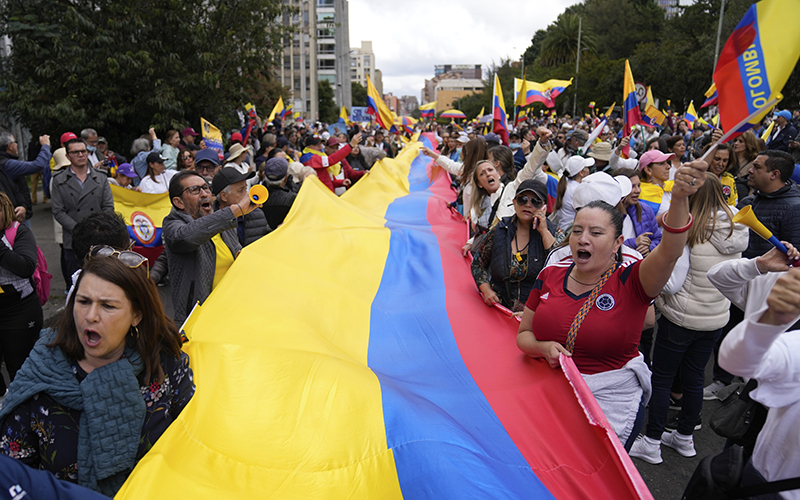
x=657 y=267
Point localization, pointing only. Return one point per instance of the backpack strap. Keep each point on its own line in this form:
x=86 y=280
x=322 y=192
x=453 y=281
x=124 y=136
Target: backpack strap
x=11 y=233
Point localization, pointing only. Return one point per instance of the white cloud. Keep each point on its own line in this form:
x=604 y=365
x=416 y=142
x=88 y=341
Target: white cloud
x=409 y=37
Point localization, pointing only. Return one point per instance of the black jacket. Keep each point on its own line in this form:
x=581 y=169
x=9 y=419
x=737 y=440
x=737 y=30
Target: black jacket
x=779 y=212
x=781 y=142
x=277 y=205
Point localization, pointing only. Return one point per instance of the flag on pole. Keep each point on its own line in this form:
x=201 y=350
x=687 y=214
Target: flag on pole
x=711 y=96
x=768 y=131
x=287 y=111
x=378 y=108
x=756 y=62
x=499 y=121
x=276 y=110
x=541 y=92
x=427 y=110
x=211 y=136
x=611 y=109
x=344 y=117
x=480 y=115
x=652 y=116
x=631 y=116
x=521 y=117
x=251 y=110
x=691 y=115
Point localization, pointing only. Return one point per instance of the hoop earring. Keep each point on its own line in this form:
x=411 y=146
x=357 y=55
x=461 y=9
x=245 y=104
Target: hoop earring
x=135 y=333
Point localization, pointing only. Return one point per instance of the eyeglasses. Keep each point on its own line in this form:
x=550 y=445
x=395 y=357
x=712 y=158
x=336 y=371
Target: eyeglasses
x=523 y=200
x=205 y=166
x=80 y=152
x=188 y=157
x=196 y=189
x=129 y=258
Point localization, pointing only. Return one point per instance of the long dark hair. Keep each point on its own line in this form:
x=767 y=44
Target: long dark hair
x=474 y=151
x=504 y=156
x=630 y=174
x=157 y=332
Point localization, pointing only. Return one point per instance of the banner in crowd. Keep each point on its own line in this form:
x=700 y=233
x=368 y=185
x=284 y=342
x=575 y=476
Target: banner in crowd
x=359 y=114
x=143 y=214
x=211 y=135
x=756 y=62
x=401 y=384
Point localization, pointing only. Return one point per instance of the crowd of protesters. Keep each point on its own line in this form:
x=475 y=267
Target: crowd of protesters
x=620 y=252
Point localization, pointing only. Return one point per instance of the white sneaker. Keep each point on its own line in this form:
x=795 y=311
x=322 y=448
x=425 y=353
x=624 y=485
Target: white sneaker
x=647 y=449
x=711 y=391
x=680 y=443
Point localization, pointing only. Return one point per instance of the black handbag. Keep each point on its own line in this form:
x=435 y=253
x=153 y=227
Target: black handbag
x=739 y=418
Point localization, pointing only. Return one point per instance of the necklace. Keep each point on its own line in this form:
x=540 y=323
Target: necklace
x=586 y=284
x=518 y=255
x=582 y=283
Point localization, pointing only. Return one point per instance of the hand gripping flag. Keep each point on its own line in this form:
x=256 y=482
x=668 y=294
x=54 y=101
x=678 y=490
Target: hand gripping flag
x=691 y=115
x=756 y=62
x=631 y=116
x=378 y=108
x=402 y=384
x=499 y=121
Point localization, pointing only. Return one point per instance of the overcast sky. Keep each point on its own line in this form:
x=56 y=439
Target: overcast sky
x=409 y=37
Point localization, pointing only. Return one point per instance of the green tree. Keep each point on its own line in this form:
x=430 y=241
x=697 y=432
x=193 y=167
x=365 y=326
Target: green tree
x=327 y=108
x=561 y=43
x=121 y=66
x=359 y=94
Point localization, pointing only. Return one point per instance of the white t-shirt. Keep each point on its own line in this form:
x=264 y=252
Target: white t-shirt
x=160 y=185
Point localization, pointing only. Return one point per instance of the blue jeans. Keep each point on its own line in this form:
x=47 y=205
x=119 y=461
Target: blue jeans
x=688 y=350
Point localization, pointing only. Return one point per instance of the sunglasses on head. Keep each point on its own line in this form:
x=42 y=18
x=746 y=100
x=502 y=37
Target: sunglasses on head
x=524 y=199
x=128 y=257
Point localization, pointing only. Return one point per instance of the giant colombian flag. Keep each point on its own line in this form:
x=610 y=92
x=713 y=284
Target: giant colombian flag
x=143 y=214
x=756 y=62
x=348 y=355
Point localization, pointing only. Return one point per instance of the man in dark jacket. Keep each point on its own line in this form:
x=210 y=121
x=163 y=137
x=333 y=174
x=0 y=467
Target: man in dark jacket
x=193 y=237
x=16 y=171
x=776 y=201
x=229 y=186
x=281 y=198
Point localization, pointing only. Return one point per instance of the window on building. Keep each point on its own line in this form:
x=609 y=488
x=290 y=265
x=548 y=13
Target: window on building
x=287 y=62
x=326 y=64
x=296 y=64
x=297 y=84
x=329 y=32
x=325 y=3
x=325 y=17
x=366 y=61
x=330 y=78
x=326 y=48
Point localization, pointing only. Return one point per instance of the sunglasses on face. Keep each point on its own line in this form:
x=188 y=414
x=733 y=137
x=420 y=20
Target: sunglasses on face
x=187 y=157
x=196 y=189
x=523 y=200
x=129 y=258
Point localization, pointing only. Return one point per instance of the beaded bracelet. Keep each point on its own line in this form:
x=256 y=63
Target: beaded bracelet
x=676 y=230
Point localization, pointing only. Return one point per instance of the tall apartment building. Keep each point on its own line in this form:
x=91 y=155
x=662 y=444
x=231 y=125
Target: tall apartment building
x=320 y=49
x=670 y=7
x=333 y=48
x=362 y=64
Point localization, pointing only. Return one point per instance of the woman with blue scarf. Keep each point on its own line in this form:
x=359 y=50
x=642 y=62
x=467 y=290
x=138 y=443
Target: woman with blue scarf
x=98 y=391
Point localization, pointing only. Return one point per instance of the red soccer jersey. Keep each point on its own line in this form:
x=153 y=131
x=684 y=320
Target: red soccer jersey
x=610 y=333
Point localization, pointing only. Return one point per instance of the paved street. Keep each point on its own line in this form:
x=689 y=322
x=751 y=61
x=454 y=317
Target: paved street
x=666 y=481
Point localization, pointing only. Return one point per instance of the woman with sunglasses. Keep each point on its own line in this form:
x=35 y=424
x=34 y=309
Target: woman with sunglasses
x=20 y=308
x=99 y=389
x=513 y=252
x=186 y=160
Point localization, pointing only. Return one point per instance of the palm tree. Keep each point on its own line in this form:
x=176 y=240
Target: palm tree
x=561 y=43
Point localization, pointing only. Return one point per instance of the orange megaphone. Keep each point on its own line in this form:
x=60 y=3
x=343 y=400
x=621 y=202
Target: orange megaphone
x=258 y=194
x=749 y=219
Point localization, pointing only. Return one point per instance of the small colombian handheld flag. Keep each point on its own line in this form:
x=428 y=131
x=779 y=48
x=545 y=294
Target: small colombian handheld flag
x=377 y=108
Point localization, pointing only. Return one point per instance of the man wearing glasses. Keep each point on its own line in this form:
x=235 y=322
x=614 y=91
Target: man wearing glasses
x=78 y=191
x=200 y=244
x=206 y=163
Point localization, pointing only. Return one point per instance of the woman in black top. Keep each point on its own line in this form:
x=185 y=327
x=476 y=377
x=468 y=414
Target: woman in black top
x=20 y=309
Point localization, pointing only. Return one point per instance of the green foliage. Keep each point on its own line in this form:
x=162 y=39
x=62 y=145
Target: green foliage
x=327 y=108
x=121 y=66
x=560 y=45
x=358 y=93
x=674 y=56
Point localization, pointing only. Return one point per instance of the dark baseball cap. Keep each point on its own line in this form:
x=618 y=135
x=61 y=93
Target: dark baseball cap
x=154 y=157
x=207 y=154
x=227 y=176
x=536 y=187
x=276 y=168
